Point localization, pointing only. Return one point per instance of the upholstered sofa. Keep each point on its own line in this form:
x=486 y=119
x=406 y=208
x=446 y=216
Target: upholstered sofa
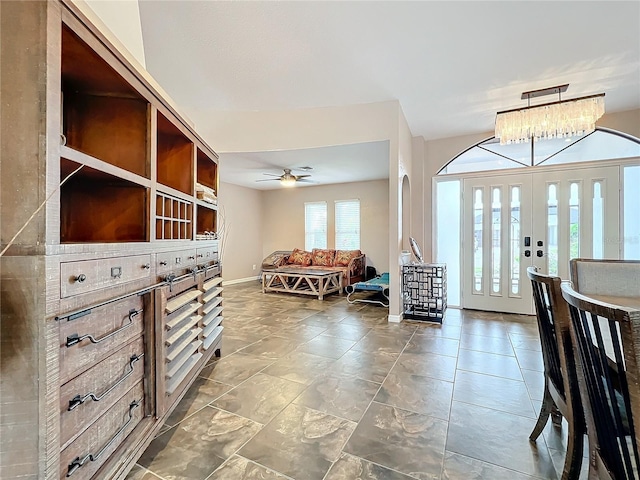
x=350 y=262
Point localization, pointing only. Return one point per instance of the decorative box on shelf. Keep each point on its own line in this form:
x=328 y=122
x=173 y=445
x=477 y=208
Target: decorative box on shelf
x=206 y=194
x=424 y=291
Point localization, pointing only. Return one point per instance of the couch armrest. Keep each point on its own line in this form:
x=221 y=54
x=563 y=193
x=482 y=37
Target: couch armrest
x=355 y=270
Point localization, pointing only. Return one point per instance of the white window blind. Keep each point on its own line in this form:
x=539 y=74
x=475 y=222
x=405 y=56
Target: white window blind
x=315 y=225
x=348 y=225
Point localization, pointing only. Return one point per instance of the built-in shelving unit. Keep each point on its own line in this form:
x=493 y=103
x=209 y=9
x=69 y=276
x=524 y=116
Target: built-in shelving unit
x=123 y=301
x=102 y=115
x=175 y=157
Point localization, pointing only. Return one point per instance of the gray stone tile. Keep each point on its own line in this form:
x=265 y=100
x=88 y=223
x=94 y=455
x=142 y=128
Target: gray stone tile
x=535 y=383
x=440 y=330
x=498 y=438
x=272 y=347
x=427 y=364
x=430 y=344
x=239 y=468
x=347 y=331
x=234 y=341
x=235 y=368
x=526 y=342
x=344 y=397
x=350 y=467
x=260 y=398
x=300 y=367
x=489 y=363
x=493 y=392
x=381 y=342
x=416 y=393
x=407 y=442
x=299 y=442
x=482 y=343
x=530 y=359
x=140 y=473
x=301 y=332
x=365 y=321
x=325 y=346
x=197 y=446
x=459 y=467
x=372 y=366
x=201 y=393
x=485 y=327
x=529 y=327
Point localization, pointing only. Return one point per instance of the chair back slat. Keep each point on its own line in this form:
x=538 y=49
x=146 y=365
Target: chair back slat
x=606 y=359
x=553 y=324
x=548 y=337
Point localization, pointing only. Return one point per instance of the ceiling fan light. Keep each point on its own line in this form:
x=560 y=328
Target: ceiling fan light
x=287 y=182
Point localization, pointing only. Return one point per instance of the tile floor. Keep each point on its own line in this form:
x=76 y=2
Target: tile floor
x=311 y=390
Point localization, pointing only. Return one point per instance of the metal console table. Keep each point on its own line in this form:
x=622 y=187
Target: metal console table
x=424 y=291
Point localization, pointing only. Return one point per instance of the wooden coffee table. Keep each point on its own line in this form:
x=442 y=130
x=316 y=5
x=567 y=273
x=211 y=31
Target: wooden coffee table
x=304 y=281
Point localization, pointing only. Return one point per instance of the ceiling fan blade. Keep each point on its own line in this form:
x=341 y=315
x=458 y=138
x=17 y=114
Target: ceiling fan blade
x=304 y=180
x=272 y=174
x=298 y=177
x=268 y=180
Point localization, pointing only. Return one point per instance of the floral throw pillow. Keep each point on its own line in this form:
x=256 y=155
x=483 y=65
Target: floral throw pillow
x=343 y=257
x=323 y=258
x=300 y=257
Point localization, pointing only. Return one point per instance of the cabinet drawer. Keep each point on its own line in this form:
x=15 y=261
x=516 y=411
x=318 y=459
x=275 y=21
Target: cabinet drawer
x=90 y=394
x=87 y=339
x=82 y=458
x=206 y=255
x=169 y=261
x=89 y=275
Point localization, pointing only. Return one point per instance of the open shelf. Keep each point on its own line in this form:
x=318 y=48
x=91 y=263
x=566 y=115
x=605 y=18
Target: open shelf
x=102 y=115
x=174 y=218
x=206 y=219
x=99 y=207
x=175 y=157
x=207 y=171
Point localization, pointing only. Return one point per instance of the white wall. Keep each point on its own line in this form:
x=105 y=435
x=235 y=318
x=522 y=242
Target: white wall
x=283 y=217
x=122 y=18
x=242 y=211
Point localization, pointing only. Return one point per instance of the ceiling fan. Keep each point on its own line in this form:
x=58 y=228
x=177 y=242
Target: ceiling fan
x=287 y=179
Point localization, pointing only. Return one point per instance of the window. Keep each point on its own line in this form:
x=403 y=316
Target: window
x=348 y=225
x=315 y=225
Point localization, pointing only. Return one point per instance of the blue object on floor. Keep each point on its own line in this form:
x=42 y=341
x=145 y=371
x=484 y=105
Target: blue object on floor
x=377 y=285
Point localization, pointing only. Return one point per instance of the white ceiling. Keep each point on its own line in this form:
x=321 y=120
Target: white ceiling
x=451 y=65
x=337 y=164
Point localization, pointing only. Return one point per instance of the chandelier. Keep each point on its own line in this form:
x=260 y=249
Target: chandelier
x=563 y=118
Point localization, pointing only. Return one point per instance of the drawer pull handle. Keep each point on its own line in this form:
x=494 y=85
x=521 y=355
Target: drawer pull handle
x=200 y=255
x=146 y=266
x=75 y=338
x=80 y=278
x=80 y=399
x=77 y=462
x=164 y=264
x=191 y=257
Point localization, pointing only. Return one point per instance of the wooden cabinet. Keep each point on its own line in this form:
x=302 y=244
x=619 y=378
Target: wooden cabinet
x=111 y=296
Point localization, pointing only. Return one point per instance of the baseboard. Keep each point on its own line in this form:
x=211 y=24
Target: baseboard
x=241 y=280
x=394 y=318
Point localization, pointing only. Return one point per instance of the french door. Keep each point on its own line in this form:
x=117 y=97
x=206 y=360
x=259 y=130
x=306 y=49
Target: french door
x=543 y=218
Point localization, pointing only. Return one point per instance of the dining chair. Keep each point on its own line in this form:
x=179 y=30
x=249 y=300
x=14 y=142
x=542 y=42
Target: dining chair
x=607 y=340
x=561 y=395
